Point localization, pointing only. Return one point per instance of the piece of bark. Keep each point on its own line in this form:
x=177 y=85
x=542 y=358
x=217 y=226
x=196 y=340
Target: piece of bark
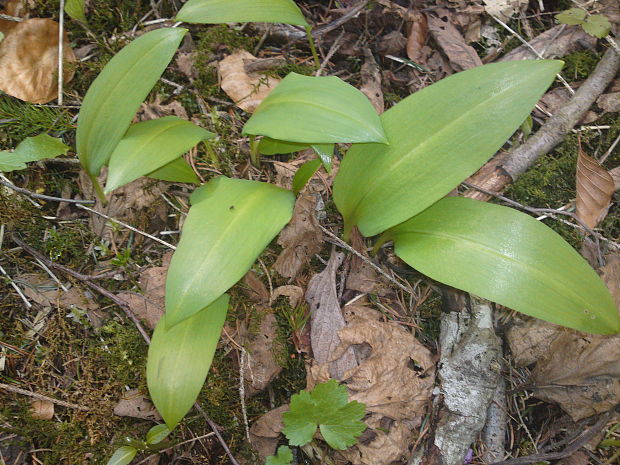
x=494 y=431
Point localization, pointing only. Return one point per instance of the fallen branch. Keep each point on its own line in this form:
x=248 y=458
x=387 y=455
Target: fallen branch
x=34 y=195
x=34 y=395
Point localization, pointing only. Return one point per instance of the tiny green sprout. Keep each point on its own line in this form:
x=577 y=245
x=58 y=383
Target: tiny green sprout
x=125 y=454
x=283 y=457
x=327 y=407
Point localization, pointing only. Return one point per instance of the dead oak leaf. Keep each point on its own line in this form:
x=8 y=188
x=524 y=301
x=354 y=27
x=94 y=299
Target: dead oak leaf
x=135 y=405
x=29 y=61
x=451 y=42
x=265 y=432
x=595 y=187
x=247 y=90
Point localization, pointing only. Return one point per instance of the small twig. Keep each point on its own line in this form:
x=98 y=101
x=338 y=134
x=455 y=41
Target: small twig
x=16 y=287
x=198 y=438
x=334 y=48
x=577 y=444
x=244 y=412
x=131 y=228
x=34 y=395
x=217 y=434
x=104 y=292
x=11 y=18
x=340 y=243
x=609 y=150
x=61 y=43
x=34 y=195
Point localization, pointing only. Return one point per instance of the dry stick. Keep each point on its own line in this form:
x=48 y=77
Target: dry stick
x=577 y=444
x=34 y=195
x=61 y=41
x=34 y=395
x=104 y=292
x=127 y=309
x=11 y=18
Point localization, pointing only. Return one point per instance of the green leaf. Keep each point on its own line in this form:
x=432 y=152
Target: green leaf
x=176 y=171
x=150 y=145
x=572 y=16
x=315 y=110
x=114 y=97
x=284 y=457
x=326 y=154
x=304 y=173
x=597 y=26
x=438 y=137
x=179 y=359
x=241 y=11
x=32 y=149
x=123 y=455
x=269 y=146
x=229 y=224
x=75 y=9
x=157 y=434
x=326 y=407
x=508 y=257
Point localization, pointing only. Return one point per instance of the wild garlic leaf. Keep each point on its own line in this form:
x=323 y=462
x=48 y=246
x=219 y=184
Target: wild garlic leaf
x=327 y=407
x=572 y=16
x=597 y=26
x=283 y=457
x=157 y=434
x=32 y=149
x=123 y=455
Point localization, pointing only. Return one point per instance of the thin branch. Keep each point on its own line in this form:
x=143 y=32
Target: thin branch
x=8 y=387
x=34 y=195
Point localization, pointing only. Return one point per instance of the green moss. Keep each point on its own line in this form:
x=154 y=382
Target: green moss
x=579 y=65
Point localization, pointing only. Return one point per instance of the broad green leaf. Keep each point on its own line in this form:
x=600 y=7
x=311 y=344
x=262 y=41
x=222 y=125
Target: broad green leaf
x=269 y=146
x=32 y=149
x=326 y=154
x=114 y=97
x=315 y=110
x=597 y=25
x=179 y=359
x=572 y=16
x=157 y=434
x=75 y=9
x=327 y=407
x=438 y=137
x=283 y=457
x=150 y=145
x=508 y=257
x=241 y=11
x=229 y=224
x=176 y=171
x=304 y=173
x=123 y=455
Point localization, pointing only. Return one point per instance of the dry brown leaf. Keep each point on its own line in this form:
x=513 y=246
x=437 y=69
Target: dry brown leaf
x=157 y=109
x=295 y=294
x=615 y=174
x=556 y=42
x=135 y=405
x=578 y=458
x=254 y=288
x=326 y=319
x=386 y=444
x=265 y=432
x=262 y=346
x=581 y=373
x=29 y=61
x=610 y=273
x=42 y=410
x=450 y=40
x=247 y=90
x=300 y=239
x=418 y=32
x=371 y=81
x=361 y=277
x=530 y=339
x=46 y=292
x=393 y=43
x=503 y=9
x=609 y=102
x=595 y=187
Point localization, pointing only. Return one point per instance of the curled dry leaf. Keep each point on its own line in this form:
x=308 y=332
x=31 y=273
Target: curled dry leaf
x=136 y=405
x=595 y=186
x=450 y=40
x=371 y=81
x=581 y=373
x=247 y=90
x=300 y=239
x=42 y=410
x=418 y=32
x=29 y=61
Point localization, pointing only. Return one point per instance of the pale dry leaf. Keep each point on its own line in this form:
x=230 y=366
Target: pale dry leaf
x=300 y=239
x=362 y=277
x=595 y=187
x=578 y=458
x=294 y=294
x=609 y=102
x=265 y=432
x=262 y=346
x=451 y=42
x=14 y=8
x=157 y=109
x=393 y=43
x=47 y=293
x=503 y=9
x=41 y=409
x=186 y=63
x=610 y=273
x=254 y=288
x=136 y=405
x=386 y=444
x=247 y=90
x=530 y=339
x=615 y=174
x=581 y=373
x=326 y=320
x=29 y=61
x=371 y=81
x=556 y=42
x=418 y=33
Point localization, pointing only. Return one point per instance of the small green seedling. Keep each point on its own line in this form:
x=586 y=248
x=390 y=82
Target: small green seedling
x=125 y=454
x=76 y=9
x=595 y=25
x=283 y=457
x=32 y=149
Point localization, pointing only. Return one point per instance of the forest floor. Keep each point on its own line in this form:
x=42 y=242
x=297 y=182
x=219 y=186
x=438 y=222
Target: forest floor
x=72 y=364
